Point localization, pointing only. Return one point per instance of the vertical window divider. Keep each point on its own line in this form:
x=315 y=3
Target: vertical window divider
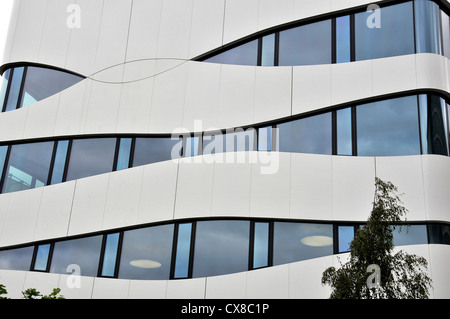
x=259 y=58
x=352 y=38
x=251 y=249
x=102 y=255
x=270 y=248
x=333 y=133
x=276 y=49
x=420 y=126
x=132 y=148
x=8 y=88
x=116 y=154
x=52 y=162
x=5 y=168
x=333 y=41
x=22 y=85
x=118 y=255
x=66 y=165
x=174 y=251
x=192 y=249
x=354 y=132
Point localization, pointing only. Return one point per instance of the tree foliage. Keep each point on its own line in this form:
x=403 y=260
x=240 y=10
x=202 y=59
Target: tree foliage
x=401 y=275
x=32 y=293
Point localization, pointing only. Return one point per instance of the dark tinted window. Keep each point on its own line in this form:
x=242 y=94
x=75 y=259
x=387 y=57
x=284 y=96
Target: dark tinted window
x=60 y=162
x=308 y=135
x=388 y=127
x=395 y=36
x=154 y=149
x=245 y=54
x=307 y=44
x=42 y=255
x=28 y=166
x=14 y=90
x=83 y=252
x=16 y=259
x=299 y=241
x=146 y=253
x=221 y=247
x=428 y=27
x=343 y=39
x=41 y=83
x=110 y=255
x=90 y=157
x=411 y=235
x=433 y=124
x=344 y=131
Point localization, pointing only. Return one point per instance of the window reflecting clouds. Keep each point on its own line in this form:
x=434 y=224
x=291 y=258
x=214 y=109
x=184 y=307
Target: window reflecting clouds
x=84 y=252
x=147 y=253
x=16 y=259
x=221 y=247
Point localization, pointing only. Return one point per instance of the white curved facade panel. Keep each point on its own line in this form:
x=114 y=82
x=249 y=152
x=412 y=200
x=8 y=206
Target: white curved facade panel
x=141 y=79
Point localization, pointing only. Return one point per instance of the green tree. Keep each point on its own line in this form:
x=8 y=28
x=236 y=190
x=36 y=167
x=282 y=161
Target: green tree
x=400 y=275
x=32 y=293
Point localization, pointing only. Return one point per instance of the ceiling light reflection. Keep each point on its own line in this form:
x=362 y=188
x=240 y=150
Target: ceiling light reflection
x=317 y=241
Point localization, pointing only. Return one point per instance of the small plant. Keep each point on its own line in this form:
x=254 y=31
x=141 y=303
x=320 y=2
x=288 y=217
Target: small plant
x=32 y=293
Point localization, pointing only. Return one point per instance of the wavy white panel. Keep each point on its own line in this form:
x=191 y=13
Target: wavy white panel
x=436 y=178
x=186 y=289
x=146 y=15
x=55 y=34
x=28 y=32
x=107 y=288
x=405 y=172
x=206 y=26
x=268 y=283
x=353 y=187
x=21 y=217
x=311 y=187
x=13 y=281
x=271 y=13
x=241 y=19
x=439 y=261
x=6 y=57
x=82 y=52
x=113 y=35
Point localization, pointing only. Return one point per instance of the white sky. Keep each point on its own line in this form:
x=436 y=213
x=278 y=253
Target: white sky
x=5 y=12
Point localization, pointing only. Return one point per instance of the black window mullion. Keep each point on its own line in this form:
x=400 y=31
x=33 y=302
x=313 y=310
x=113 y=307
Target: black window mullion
x=8 y=88
x=352 y=38
x=5 y=168
x=251 y=248
x=333 y=41
x=22 y=85
x=52 y=162
x=116 y=154
x=277 y=49
x=192 y=249
x=259 y=58
x=333 y=133
x=174 y=251
x=66 y=165
x=354 y=132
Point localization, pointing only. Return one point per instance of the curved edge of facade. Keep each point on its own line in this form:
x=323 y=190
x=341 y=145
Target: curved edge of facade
x=177 y=95
x=278 y=282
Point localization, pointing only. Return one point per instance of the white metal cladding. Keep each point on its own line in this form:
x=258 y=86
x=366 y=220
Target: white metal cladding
x=142 y=82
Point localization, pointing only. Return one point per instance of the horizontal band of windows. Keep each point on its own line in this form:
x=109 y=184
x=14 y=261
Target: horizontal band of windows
x=23 y=85
x=201 y=248
x=389 y=29
x=405 y=125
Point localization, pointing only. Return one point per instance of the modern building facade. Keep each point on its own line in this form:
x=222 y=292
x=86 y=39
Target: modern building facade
x=217 y=148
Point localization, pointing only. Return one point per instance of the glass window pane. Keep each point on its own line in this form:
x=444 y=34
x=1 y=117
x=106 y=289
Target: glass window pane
x=306 y=45
x=153 y=149
x=433 y=124
x=146 y=253
x=110 y=256
x=388 y=128
x=412 y=235
x=123 y=158
x=268 y=50
x=445 y=33
x=265 y=138
x=5 y=81
x=245 y=54
x=345 y=236
x=3 y=151
x=84 y=252
x=261 y=245
x=308 y=135
x=344 y=131
x=439 y=234
x=343 y=39
x=28 y=166
x=299 y=241
x=213 y=143
x=90 y=157
x=14 y=90
x=183 y=251
x=394 y=37
x=240 y=140
x=221 y=247
x=428 y=27
x=41 y=83
x=192 y=147
x=42 y=254
x=60 y=162
x=16 y=259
